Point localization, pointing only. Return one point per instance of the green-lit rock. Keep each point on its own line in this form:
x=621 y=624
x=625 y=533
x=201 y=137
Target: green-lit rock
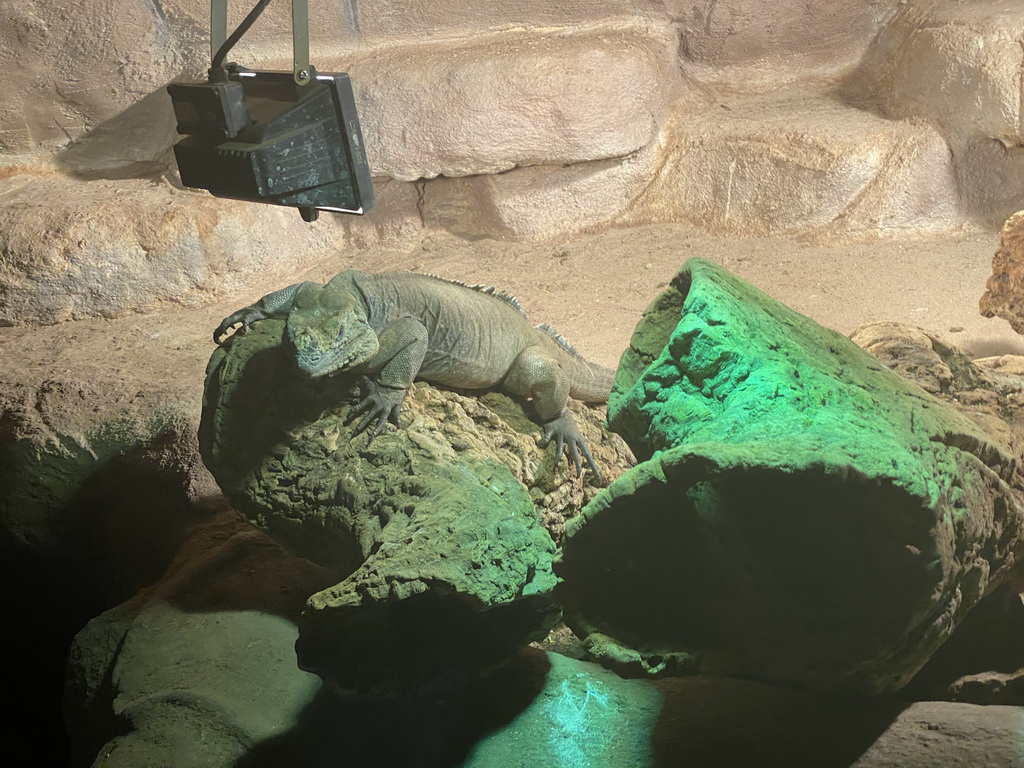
x=803 y=513
x=433 y=527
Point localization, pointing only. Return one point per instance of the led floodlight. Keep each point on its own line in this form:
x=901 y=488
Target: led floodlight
x=272 y=137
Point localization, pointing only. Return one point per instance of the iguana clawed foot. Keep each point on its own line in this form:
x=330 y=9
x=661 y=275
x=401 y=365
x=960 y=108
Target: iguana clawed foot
x=380 y=405
x=567 y=437
x=246 y=317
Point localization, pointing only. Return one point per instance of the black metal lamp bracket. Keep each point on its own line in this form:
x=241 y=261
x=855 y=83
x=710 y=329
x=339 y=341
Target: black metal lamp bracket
x=300 y=36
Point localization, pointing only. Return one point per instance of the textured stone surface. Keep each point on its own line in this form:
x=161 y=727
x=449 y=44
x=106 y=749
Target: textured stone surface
x=182 y=692
x=74 y=248
x=982 y=663
x=793 y=479
x=198 y=668
x=514 y=99
x=388 y=20
x=757 y=44
x=80 y=397
x=395 y=223
x=539 y=204
x=991 y=177
x=1004 y=294
x=446 y=563
x=89 y=149
x=533 y=121
x=73 y=68
x=960 y=733
x=988 y=390
x=936 y=56
x=799 y=162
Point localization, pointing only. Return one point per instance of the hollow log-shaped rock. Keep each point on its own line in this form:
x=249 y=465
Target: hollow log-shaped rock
x=433 y=527
x=802 y=513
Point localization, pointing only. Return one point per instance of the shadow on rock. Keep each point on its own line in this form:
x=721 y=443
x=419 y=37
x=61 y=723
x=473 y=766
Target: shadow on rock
x=416 y=732
x=729 y=723
x=104 y=152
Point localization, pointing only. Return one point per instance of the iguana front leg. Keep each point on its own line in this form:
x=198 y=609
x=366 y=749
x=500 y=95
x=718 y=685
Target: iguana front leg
x=276 y=304
x=538 y=376
x=403 y=344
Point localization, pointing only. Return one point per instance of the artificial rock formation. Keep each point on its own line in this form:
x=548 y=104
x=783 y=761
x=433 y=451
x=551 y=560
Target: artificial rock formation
x=198 y=667
x=447 y=565
x=1004 y=294
x=802 y=513
x=933 y=55
x=499 y=107
x=800 y=161
x=77 y=248
x=533 y=122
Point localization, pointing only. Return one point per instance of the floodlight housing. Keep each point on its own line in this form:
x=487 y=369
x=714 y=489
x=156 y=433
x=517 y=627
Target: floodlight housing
x=262 y=137
x=285 y=138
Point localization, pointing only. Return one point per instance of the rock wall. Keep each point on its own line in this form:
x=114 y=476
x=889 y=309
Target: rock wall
x=527 y=120
x=958 y=65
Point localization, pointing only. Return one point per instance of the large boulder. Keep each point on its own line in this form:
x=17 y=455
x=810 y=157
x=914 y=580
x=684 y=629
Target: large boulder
x=436 y=526
x=935 y=56
x=199 y=668
x=793 y=162
x=790 y=479
x=519 y=98
x=75 y=248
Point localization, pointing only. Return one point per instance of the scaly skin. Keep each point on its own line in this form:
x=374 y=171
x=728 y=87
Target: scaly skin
x=395 y=327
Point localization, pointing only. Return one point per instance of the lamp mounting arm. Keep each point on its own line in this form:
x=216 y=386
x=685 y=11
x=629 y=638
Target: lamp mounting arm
x=220 y=43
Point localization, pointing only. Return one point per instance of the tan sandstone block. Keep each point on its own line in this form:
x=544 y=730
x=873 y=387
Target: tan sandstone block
x=510 y=100
x=74 y=249
x=979 y=69
x=798 y=163
x=958 y=64
x=541 y=203
x=758 y=44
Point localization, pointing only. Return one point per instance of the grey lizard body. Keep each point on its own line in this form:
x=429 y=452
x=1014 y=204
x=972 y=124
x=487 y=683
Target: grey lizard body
x=395 y=327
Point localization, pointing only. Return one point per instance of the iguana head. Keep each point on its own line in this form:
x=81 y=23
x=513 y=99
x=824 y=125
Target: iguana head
x=328 y=330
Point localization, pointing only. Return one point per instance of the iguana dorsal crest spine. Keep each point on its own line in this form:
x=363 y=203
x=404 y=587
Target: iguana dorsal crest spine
x=490 y=290
x=513 y=302
x=563 y=342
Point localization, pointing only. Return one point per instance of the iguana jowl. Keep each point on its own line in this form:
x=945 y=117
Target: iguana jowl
x=394 y=327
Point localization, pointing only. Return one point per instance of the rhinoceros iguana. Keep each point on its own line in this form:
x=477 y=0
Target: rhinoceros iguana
x=394 y=327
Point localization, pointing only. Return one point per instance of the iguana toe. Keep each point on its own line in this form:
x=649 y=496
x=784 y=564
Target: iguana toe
x=568 y=438
x=379 y=406
x=243 y=318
